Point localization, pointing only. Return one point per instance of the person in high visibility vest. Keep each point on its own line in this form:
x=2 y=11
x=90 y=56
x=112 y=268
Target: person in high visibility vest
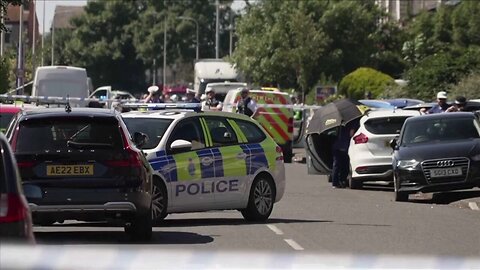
x=246 y=105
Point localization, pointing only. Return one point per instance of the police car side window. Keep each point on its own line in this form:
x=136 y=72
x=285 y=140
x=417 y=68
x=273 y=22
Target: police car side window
x=222 y=133
x=189 y=130
x=251 y=131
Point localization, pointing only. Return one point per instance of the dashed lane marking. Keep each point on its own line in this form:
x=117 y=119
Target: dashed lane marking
x=275 y=229
x=473 y=206
x=293 y=244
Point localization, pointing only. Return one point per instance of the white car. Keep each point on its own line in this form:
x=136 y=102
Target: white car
x=370 y=152
x=210 y=161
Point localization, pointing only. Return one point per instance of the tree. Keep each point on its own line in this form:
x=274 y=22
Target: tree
x=102 y=42
x=362 y=81
x=466 y=23
x=467 y=86
x=4 y=75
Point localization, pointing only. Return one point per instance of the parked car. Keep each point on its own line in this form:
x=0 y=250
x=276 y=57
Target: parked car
x=15 y=218
x=370 y=152
x=437 y=152
x=7 y=111
x=210 y=161
x=107 y=97
x=81 y=164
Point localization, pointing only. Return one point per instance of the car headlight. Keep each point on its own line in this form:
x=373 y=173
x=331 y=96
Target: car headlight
x=407 y=164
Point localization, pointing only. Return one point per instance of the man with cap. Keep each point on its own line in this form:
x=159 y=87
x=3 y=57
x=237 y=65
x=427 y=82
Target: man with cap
x=211 y=103
x=459 y=105
x=246 y=105
x=153 y=95
x=191 y=96
x=442 y=105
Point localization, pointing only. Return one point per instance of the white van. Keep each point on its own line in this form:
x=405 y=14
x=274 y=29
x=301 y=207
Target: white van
x=60 y=81
x=213 y=70
x=221 y=89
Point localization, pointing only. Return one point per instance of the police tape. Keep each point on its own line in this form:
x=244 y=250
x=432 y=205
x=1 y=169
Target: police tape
x=60 y=257
x=61 y=100
x=133 y=103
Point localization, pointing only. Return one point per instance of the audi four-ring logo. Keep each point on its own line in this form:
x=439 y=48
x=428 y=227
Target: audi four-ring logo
x=445 y=163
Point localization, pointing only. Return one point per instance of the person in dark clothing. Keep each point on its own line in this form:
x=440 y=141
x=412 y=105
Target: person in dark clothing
x=341 y=160
x=442 y=105
x=246 y=105
x=191 y=97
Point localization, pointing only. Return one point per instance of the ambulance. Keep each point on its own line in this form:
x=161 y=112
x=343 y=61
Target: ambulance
x=275 y=115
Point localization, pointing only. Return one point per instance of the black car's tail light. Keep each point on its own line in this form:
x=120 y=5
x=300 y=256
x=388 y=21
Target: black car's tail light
x=13 y=207
x=132 y=160
x=25 y=164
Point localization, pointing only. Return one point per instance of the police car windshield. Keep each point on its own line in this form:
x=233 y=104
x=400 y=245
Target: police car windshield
x=154 y=128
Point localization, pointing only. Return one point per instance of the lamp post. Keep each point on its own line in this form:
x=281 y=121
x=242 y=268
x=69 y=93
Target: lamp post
x=196 y=28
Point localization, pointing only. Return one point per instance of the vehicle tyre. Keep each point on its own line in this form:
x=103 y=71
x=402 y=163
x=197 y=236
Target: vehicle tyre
x=159 y=201
x=260 y=201
x=399 y=196
x=354 y=184
x=140 y=228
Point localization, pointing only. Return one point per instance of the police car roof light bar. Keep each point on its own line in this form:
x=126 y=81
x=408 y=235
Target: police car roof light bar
x=163 y=106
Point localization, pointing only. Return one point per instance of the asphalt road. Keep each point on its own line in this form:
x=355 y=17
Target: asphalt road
x=312 y=217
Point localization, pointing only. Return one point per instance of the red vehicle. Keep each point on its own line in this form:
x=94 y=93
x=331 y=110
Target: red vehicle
x=179 y=91
x=6 y=114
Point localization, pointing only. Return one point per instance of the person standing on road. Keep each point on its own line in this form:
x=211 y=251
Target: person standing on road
x=191 y=97
x=211 y=103
x=341 y=160
x=441 y=106
x=246 y=105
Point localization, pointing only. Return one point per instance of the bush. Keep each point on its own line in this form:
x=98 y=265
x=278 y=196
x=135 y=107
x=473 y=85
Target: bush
x=468 y=86
x=362 y=81
x=4 y=75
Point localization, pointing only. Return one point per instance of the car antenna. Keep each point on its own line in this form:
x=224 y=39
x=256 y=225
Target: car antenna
x=68 y=108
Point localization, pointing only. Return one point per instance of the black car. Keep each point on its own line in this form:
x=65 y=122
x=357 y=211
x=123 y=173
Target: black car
x=437 y=152
x=81 y=164
x=15 y=219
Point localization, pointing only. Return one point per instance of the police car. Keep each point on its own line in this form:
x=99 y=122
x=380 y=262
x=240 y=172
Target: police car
x=210 y=161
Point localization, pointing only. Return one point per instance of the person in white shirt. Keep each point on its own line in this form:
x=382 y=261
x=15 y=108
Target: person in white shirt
x=211 y=103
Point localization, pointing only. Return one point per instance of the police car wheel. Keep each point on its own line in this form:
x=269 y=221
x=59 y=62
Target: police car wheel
x=140 y=228
x=159 y=201
x=260 y=202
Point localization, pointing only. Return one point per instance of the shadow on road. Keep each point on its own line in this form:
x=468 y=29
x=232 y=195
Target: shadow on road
x=228 y=222
x=449 y=197
x=119 y=237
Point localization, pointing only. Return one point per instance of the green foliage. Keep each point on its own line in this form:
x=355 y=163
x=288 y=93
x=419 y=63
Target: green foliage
x=468 y=86
x=363 y=80
x=103 y=44
x=292 y=43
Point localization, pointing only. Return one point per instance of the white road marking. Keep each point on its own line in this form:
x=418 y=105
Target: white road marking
x=275 y=229
x=293 y=244
x=473 y=206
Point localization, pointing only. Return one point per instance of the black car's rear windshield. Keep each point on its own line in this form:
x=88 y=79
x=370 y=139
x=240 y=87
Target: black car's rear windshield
x=154 y=128
x=50 y=134
x=435 y=130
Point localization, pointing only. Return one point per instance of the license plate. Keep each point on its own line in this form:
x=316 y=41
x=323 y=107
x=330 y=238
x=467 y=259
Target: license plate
x=454 y=171
x=69 y=170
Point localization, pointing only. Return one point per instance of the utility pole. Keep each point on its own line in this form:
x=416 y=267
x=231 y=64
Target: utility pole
x=20 y=64
x=43 y=30
x=2 y=34
x=164 y=50
x=34 y=33
x=217 y=37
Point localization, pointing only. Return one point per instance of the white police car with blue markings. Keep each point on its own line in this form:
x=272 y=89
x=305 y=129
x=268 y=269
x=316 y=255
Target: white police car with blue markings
x=210 y=161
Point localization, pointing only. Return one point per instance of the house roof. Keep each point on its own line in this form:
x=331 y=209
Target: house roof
x=63 y=15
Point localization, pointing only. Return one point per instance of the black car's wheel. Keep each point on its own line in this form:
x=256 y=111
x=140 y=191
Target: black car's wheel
x=261 y=199
x=140 y=228
x=399 y=195
x=159 y=201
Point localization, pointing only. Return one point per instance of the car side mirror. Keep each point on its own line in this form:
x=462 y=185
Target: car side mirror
x=140 y=139
x=180 y=146
x=393 y=143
